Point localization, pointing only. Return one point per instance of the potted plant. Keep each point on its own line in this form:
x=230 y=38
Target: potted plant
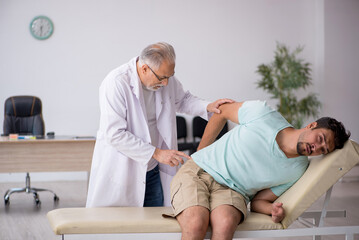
x=282 y=78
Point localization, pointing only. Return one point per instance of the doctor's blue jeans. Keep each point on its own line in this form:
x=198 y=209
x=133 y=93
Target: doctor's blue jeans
x=154 y=192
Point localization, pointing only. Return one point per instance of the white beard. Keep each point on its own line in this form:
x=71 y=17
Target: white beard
x=154 y=88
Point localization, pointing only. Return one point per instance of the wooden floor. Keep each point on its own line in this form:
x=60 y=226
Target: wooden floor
x=22 y=220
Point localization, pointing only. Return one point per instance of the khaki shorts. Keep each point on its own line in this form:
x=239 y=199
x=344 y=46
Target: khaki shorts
x=192 y=186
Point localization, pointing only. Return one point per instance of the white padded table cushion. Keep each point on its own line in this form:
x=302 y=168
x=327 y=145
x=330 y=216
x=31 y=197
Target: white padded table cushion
x=131 y=220
x=322 y=173
x=111 y=220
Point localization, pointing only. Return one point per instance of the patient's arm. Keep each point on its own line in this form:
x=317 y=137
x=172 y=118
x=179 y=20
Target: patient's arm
x=229 y=111
x=263 y=203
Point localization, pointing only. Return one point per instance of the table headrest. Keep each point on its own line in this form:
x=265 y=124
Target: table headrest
x=322 y=173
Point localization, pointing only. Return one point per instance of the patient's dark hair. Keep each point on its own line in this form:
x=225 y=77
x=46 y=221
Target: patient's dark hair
x=340 y=134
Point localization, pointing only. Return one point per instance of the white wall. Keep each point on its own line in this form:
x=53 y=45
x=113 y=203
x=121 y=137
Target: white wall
x=341 y=82
x=219 y=45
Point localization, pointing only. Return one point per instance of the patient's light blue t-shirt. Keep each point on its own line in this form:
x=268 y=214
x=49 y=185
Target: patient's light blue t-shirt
x=248 y=158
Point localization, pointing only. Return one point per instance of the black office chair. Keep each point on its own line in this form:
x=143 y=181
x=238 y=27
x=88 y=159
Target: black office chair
x=198 y=126
x=182 y=135
x=23 y=116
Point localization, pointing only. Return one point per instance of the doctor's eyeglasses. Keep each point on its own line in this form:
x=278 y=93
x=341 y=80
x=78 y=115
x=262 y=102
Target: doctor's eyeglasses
x=159 y=78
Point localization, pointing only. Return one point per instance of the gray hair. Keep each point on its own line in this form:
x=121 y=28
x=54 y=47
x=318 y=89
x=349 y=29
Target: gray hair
x=155 y=54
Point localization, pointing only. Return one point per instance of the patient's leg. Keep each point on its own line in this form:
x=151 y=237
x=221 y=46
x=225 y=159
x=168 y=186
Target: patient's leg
x=224 y=221
x=194 y=222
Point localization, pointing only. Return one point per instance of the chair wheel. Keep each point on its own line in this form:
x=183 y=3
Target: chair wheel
x=38 y=202
x=56 y=198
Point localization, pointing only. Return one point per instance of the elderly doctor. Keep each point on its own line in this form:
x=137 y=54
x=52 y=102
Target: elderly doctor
x=134 y=158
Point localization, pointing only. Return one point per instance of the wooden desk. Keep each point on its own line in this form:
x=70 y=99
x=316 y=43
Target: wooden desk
x=57 y=154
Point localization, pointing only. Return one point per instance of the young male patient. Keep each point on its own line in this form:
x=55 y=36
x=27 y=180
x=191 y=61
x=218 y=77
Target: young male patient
x=256 y=161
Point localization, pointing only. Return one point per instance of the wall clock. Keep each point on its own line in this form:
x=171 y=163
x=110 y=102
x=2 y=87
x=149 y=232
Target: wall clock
x=41 y=27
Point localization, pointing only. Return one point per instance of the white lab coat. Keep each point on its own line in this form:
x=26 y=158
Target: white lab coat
x=123 y=149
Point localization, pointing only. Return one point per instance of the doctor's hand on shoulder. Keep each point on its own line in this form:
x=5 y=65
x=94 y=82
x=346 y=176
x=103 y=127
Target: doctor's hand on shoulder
x=213 y=107
x=169 y=157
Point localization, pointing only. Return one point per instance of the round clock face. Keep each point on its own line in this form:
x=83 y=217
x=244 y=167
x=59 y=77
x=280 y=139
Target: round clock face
x=41 y=27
